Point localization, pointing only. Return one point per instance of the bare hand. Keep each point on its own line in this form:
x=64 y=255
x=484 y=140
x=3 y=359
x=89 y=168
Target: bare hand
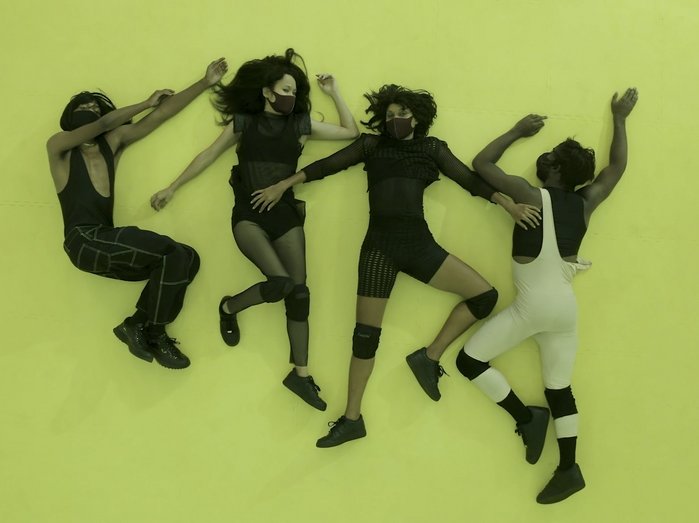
x=161 y=198
x=327 y=83
x=529 y=125
x=216 y=70
x=267 y=198
x=523 y=214
x=159 y=96
x=622 y=107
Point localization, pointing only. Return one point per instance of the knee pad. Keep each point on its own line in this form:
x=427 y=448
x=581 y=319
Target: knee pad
x=298 y=303
x=276 y=288
x=194 y=263
x=483 y=304
x=470 y=367
x=561 y=401
x=365 y=341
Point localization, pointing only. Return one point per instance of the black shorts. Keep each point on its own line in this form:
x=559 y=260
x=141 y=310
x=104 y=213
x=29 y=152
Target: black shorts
x=284 y=216
x=394 y=245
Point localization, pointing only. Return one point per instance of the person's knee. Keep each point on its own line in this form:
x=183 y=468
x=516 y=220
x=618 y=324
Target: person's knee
x=194 y=261
x=483 y=304
x=561 y=401
x=365 y=341
x=276 y=288
x=470 y=367
x=298 y=303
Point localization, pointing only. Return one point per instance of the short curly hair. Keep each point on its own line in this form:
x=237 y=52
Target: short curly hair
x=420 y=102
x=577 y=163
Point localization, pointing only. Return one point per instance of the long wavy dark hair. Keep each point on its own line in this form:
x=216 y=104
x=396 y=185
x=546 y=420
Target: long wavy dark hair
x=102 y=100
x=244 y=93
x=420 y=102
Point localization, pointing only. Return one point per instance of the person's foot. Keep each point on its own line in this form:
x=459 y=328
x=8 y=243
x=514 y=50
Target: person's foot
x=165 y=352
x=304 y=388
x=426 y=371
x=342 y=431
x=228 y=324
x=534 y=433
x=132 y=334
x=563 y=484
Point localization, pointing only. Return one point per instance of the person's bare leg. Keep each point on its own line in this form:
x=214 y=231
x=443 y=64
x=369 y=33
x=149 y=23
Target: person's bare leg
x=457 y=277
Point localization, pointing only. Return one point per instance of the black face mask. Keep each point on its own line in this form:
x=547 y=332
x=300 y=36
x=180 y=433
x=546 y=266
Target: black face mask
x=80 y=118
x=283 y=103
x=399 y=128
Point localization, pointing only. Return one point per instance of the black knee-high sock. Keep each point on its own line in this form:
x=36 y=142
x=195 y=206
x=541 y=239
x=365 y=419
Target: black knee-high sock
x=566 y=447
x=514 y=406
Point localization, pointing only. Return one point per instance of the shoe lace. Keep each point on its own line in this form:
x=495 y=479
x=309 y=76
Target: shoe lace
x=171 y=345
x=440 y=371
x=338 y=421
x=521 y=432
x=313 y=384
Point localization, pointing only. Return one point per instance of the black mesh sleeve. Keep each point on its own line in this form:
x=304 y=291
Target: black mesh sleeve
x=351 y=155
x=456 y=170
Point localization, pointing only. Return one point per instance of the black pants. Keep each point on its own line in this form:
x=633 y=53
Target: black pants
x=132 y=254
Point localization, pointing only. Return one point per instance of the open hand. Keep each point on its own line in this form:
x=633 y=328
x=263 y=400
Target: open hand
x=524 y=214
x=216 y=70
x=267 y=198
x=622 y=107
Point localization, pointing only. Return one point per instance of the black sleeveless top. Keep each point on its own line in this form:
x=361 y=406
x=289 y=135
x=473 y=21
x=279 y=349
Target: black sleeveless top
x=268 y=151
x=569 y=219
x=81 y=204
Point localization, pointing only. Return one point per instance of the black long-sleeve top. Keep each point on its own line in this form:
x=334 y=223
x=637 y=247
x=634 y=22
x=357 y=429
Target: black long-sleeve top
x=398 y=171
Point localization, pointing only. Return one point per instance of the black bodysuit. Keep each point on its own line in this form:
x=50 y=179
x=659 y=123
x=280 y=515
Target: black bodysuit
x=268 y=153
x=398 y=172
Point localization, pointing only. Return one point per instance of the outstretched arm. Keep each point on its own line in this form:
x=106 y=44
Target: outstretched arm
x=64 y=141
x=597 y=191
x=128 y=134
x=351 y=155
x=515 y=187
x=326 y=131
x=226 y=140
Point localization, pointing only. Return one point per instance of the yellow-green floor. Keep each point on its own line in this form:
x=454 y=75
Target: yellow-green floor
x=90 y=434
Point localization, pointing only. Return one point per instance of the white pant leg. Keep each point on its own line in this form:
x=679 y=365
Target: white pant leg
x=499 y=334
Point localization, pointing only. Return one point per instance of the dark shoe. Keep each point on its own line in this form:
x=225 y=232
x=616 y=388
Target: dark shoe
x=166 y=353
x=534 y=433
x=304 y=388
x=132 y=334
x=426 y=371
x=229 y=325
x=563 y=484
x=342 y=431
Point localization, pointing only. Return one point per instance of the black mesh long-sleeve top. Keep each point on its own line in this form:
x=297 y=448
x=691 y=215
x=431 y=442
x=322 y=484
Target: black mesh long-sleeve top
x=398 y=171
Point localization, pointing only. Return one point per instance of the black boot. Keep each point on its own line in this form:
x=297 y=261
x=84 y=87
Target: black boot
x=534 y=433
x=132 y=334
x=165 y=352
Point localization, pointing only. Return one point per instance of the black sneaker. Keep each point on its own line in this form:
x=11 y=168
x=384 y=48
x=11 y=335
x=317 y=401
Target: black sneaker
x=304 y=388
x=132 y=334
x=534 y=433
x=228 y=324
x=426 y=371
x=342 y=431
x=165 y=352
x=563 y=484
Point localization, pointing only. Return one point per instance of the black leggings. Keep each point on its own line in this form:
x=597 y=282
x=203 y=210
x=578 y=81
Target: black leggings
x=132 y=254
